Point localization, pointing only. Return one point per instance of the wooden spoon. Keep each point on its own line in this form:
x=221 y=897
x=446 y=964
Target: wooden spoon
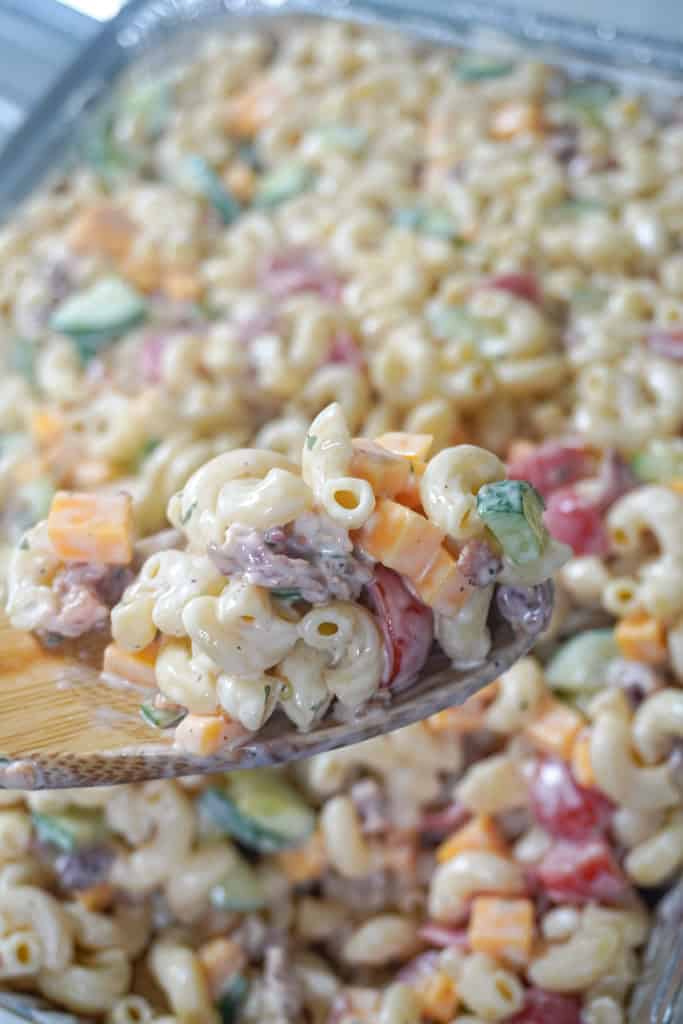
x=63 y=724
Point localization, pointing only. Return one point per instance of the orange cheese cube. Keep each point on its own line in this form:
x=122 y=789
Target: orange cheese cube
x=145 y=272
x=47 y=426
x=104 y=229
x=640 y=637
x=399 y=538
x=442 y=586
x=182 y=285
x=17 y=648
x=136 y=666
x=221 y=960
x=241 y=181
x=676 y=485
x=438 y=997
x=503 y=928
x=204 y=735
x=581 y=764
x=386 y=473
x=555 y=728
x=305 y=863
x=481 y=834
x=400 y=442
x=249 y=111
x=410 y=495
x=518 y=117
x=91 y=527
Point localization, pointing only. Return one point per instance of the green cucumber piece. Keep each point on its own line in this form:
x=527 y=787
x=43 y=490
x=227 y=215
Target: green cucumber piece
x=162 y=718
x=433 y=222
x=231 y=1002
x=662 y=460
x=513 y=512
x=478 y=67
x=69 y=830
x=581 y=663
x=259 y=809
x=283 y=183
x=201 y=179
x=589 y=97
x=348 y=137
x=98 y=315
x=242 y=890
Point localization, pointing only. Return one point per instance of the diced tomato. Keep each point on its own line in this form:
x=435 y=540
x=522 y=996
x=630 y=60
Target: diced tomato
x=581 y=872
x=298 y=269
x=439 y=935
x=345 y=349
x=524 y=286
x=576 y=520
x=564 y=808
x=407 y=626
x=666 y=343
x=553 y=465
x=541 y=1007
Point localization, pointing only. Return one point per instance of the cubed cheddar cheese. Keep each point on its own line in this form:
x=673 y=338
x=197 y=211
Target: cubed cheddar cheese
x=91 y=527
x=555 y=728
x=136 y=666
x=204 y=735
x=438 y=997
x=480 y=834
x=581 y=764
x=503 y=928
x=676 y=485
x=104 y=229
x=305 y=863
x=221 y=960
x=182 y=285
x=248 y=112
x=411 y=495
x=399 y=538
x=442 y=586
x=16 y=649
x=640 y=637
x=386 y=473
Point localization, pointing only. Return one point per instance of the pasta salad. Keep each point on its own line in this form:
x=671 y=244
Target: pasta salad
x=462 y=247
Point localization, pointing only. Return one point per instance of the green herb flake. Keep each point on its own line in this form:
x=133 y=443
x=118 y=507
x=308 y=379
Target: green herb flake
x=186 y=516
x=589 y=98
x=24 y=544
x=433 y=222
x=311 y=441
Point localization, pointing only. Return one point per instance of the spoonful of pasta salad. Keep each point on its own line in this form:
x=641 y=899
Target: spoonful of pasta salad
x=287 y=609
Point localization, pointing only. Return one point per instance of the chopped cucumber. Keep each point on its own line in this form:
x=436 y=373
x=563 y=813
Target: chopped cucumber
x=98 y=315
x=513 y=512
x=589 y=97
x=477 y=67
x=241 y=890
x=260 y=809
x=589 y=298
x=449 y=322
x=283 y=183
x=232 y=1000
x=21 y=359
x=162 y=718
x=436 y=223
x=349 y=137
x=662 y=460
x=200 y=178
x=581 y=663
x=71 y=829
x=149 y=101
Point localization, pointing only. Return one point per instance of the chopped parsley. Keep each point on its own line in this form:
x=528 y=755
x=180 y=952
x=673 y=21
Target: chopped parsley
x=186 y=516
x=311 y=441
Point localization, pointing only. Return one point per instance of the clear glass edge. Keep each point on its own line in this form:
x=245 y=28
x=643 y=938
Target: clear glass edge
x=41 y=143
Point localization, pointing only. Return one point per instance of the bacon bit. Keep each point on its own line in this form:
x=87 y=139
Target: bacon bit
x=523 y=286
x=443 y=937
x=345 y=350
x=668 y=344
x=296 y=270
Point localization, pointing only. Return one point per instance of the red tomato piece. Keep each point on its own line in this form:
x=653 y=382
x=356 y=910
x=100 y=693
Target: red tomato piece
x=553 y=465
x=581 y=872
x=666 y=343
x=407 y=626
x=564 y=808
x=524 y=286
x=541 y=1007
x=576 y=520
